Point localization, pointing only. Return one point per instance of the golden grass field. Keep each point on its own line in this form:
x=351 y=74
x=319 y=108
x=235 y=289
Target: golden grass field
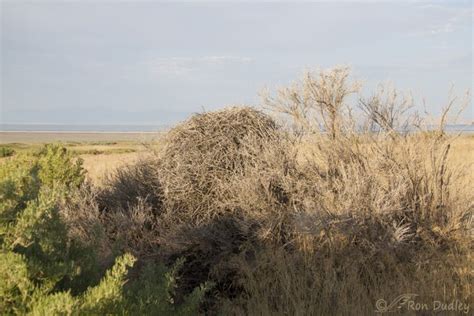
x=101 y=152
x=463 y=154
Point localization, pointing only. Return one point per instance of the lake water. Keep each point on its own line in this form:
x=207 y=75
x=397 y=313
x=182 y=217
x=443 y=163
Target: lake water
x=80 y=128
x=465 y=128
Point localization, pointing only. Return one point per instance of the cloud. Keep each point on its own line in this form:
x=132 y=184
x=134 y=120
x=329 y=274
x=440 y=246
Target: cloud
x=449 y=19
x=179 y=66
x=452 y=24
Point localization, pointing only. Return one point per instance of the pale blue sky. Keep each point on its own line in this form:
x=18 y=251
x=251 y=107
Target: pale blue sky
x=91 y=62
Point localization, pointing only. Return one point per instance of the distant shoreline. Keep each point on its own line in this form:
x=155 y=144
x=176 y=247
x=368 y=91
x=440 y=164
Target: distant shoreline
x=86 y=132
x=133 y=129
x=8 y=137
x=92 y=128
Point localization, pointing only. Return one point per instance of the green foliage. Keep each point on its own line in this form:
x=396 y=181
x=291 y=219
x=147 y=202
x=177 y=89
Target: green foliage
x=6 y=151
x=60 y=303
x=43 y=271
x=33 y=236
x=15 y=286
x=58 y=170
x=30 y=223
x=19 y=295
x=153 y=293
x=107 y=296
x=19 y=184
x=52 y=169
x=40 y=235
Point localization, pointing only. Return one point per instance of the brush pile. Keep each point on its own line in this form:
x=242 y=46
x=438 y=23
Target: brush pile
x=209 y=161
x=225 y=180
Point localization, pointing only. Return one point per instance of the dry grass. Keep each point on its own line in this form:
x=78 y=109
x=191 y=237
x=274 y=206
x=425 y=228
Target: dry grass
x=102 y=152
x=462 y=154
x=99 y=166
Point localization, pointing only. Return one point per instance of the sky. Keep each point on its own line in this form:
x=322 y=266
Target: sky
x=155 y=62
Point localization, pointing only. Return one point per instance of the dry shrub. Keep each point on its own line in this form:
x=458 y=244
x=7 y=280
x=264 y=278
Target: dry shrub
x=121 y=215
x=110 y=231
x=378 y=210
x=133 y=184
x=225 y=178
x=133 y=229
x=82 y=215
x=342 y=281
x=126 y=207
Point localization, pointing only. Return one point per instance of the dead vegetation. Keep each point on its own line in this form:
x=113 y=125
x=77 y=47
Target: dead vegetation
x=324 y=212
x=204 y=158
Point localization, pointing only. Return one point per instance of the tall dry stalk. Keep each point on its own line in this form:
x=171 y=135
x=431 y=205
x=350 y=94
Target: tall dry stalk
x=317 y=102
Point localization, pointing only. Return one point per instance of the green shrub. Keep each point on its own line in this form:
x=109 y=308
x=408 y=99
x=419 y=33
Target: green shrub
x=33 y=236
x=43 y=271
x=58 y=170
x=30 y=223
x=20 y=295
x=6 y=151
x=153 y=293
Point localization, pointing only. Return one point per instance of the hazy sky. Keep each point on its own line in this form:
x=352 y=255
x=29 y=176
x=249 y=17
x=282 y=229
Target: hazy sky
x=156 y=62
